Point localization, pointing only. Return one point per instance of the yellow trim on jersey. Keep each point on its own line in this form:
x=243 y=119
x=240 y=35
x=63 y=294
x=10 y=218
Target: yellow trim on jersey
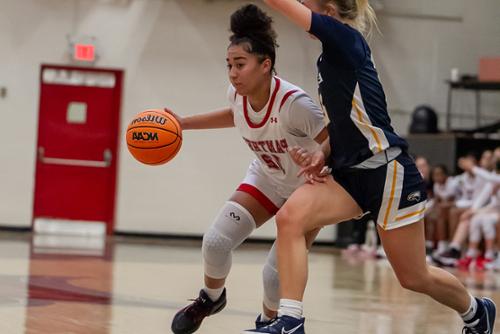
x=368 y=126
x=415 y=213
x=391 y=198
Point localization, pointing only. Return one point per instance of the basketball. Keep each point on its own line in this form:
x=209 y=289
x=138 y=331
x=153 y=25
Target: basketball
x=154 y=137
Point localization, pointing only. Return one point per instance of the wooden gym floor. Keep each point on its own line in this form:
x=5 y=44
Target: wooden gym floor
x=122 y=285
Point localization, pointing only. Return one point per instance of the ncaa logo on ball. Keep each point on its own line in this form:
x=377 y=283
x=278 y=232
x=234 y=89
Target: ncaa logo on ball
x=145 y=136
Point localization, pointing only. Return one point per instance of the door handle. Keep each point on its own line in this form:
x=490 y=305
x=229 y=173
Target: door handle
x=106 y=162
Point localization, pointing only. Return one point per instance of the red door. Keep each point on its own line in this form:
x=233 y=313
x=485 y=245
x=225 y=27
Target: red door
x=77 y=145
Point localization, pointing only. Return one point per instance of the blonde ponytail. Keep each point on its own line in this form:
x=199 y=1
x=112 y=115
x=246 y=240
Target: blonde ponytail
x=359 y=12
x=366 y=19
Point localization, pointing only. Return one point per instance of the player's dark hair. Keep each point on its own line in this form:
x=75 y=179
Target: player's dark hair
x=472 y=155
x=443 y=168
x=252 y=29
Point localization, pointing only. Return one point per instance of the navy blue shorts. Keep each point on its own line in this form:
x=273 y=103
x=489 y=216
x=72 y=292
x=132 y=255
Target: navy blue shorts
x=394 y=194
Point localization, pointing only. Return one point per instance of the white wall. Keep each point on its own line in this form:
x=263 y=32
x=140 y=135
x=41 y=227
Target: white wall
x=173 y=53
x=422 y=41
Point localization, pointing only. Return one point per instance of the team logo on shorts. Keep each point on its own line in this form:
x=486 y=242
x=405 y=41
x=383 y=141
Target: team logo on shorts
x=414 y=196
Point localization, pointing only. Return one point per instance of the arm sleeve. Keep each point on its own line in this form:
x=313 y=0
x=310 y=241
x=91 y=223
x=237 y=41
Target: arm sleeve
x=485 y=175
x=304 y=118
x=338 y=39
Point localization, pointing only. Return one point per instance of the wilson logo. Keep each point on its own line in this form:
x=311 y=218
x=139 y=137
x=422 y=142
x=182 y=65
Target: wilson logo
x=146 y=136
x=151 y=118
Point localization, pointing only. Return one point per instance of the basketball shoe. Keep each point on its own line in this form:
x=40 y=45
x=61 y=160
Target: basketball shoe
x=259 y=323
x=449 y=258
x=281 y=325
x=484 y=320
x=189 y=319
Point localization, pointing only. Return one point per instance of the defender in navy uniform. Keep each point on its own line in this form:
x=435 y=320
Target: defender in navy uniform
x=372 y=172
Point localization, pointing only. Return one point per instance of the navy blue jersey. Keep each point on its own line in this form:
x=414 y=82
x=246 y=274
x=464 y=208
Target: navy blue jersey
x=352 y=95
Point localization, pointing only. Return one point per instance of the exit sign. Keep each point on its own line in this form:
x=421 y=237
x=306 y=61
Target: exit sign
x=84 y=52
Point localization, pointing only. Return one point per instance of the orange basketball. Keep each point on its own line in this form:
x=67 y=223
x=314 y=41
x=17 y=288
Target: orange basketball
x=154 y=137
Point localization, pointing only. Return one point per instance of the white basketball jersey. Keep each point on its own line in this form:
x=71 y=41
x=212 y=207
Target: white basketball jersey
x=269 y=132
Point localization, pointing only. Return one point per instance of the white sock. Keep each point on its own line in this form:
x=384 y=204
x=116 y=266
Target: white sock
x=442 y=246
x=489 y=254
x=264 y=317
x=471 y=312
x=291 y=308
x=473 y=253
x=214 y=294
x=429 y=244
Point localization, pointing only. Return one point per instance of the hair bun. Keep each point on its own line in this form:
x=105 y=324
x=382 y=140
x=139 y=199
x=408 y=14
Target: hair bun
x=250 y=21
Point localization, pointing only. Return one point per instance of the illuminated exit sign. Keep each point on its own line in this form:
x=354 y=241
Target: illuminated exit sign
x=84 y=52
x=83 y=49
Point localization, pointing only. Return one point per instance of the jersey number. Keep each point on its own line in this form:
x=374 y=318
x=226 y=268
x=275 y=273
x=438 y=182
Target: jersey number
x=273 y=161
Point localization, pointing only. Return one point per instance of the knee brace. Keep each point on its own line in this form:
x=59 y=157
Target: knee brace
x=230 y=228
x=475 y=229
x=271 y=281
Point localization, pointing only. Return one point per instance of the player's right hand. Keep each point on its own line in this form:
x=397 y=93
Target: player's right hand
x=312 y=164
x=300 y=156
x=177 y=117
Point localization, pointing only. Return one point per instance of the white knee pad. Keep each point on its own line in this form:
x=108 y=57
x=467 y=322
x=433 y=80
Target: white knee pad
x=271 y=281
x=231 y=227
x=475 y=229
x=488 y=222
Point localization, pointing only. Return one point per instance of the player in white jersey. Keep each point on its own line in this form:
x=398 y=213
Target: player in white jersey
x=484 y=219
x=271 y=115
x=467 y=188
x=284 y=122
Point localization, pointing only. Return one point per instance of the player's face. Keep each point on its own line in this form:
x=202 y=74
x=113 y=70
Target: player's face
x=246 y=72
x=496 y=158
x=423 y=167
x=438 y=175
x=486 y=161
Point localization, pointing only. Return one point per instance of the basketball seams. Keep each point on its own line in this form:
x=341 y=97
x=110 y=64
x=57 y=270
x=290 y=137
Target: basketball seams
x=152 y=148
x=170 y=157
x=167 y=148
